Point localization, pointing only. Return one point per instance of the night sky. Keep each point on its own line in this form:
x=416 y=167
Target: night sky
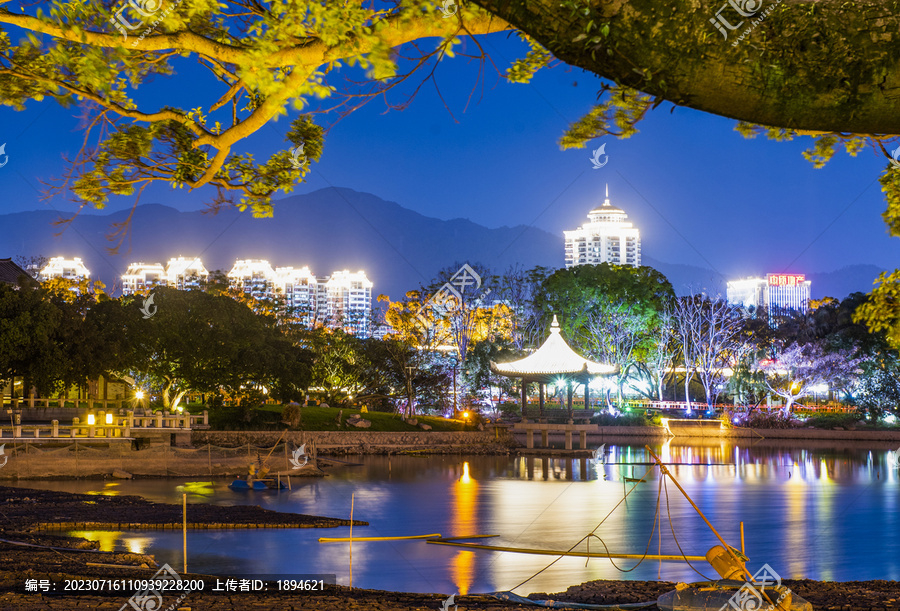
x=700 y=193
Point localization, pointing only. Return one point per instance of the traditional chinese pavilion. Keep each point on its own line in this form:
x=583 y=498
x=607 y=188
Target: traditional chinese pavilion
x=552 y=362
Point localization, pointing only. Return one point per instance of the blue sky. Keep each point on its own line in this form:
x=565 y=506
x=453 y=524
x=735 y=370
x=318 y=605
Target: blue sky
x=700 y=193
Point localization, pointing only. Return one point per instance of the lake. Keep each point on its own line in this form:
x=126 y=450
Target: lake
x=809 y=511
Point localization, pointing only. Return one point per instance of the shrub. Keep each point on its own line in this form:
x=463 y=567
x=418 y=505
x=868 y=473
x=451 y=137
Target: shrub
x=625 y=419
x=290 y=415
x=829 y=421
x=767 y=420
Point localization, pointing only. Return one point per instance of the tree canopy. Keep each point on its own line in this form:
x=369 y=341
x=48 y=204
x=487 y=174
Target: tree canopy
x=826 y=69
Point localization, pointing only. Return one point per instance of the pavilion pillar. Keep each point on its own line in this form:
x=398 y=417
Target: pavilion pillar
x=541 y=399
x=524 y=397
x=587 y=394
x=545 y=438
x=570 y=393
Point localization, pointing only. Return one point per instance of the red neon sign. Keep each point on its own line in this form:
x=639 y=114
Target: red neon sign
x=786 y=279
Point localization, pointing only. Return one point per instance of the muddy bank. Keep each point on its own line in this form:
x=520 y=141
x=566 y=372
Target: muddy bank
x=27 y=511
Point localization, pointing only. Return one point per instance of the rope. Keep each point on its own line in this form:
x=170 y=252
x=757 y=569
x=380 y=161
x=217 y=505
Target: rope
x=672 y=527
x=592 y=534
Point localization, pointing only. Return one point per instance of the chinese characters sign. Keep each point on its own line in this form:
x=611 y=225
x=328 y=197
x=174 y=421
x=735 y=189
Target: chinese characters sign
x=786 y=279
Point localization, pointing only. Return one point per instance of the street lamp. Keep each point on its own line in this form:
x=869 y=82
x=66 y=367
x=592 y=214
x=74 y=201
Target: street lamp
x=466 y=418
x=454 y=361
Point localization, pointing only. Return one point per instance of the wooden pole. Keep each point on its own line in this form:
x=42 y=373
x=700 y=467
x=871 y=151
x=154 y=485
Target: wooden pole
x=727 y=547
x=209 y=457
x=184 y=528
x=274 y=446
x=351 y=541
x=742 y=539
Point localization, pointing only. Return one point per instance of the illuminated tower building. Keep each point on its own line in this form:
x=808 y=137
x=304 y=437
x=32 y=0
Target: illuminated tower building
x=779 y=293
x=607 y=237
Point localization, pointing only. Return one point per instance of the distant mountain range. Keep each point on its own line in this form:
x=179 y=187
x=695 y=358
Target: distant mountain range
x=334 y=229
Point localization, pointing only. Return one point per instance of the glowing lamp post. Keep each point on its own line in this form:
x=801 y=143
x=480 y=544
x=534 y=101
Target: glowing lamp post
x=109 y=418
x=91 y=420
x=466 y=418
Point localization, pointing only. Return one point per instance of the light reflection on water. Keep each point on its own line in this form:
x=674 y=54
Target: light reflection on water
x=815 y=511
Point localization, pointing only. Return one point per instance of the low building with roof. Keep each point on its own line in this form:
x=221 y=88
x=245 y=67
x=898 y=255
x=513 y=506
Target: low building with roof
x=554 y=361
x=10 y=273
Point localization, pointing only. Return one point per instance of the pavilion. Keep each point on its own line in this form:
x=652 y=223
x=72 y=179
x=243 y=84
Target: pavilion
x=553 y=361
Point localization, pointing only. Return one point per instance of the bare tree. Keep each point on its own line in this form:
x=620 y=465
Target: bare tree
x=801 y=367
x=717 y=344
x=710 y=335
x=687 y=318
x=660 y=354
x=516 y=288
x=617 y=333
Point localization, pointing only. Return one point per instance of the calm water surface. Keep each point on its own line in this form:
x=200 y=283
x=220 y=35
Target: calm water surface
x=818 y=511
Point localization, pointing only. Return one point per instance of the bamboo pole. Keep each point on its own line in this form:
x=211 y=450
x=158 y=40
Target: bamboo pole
x=727 y=547
x=397 y=538
x=184 y=528
x=274 y=446
x=351 y=541
x=550 y=552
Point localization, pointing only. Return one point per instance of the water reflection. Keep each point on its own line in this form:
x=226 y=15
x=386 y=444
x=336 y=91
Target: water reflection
x=806 y=508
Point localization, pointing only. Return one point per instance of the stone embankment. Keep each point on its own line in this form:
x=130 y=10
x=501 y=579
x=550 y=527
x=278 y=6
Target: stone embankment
x=369 y=442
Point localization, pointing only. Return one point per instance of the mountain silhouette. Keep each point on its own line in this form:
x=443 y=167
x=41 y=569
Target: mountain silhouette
x=334 y=229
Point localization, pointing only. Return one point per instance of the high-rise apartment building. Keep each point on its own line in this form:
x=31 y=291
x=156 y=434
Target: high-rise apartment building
x=299 y=289
x=348 y=301
x=607 y=237
x=185 y=273
x=140 y=277
x=255 y=277
x=69 y=269
x=343 y=299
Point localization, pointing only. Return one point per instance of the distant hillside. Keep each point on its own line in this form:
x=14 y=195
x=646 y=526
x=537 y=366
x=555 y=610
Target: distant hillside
x=334 y=229
x=840 y=283
x=329 y=229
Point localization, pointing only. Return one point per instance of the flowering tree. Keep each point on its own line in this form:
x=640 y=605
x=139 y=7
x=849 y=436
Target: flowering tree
x=801 y=367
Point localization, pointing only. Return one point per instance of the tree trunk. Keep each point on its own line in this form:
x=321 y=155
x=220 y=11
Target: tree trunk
x=687 y=389
x=831 y=69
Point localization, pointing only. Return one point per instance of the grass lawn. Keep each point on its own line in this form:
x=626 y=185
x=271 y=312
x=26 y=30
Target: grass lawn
x=268 y=417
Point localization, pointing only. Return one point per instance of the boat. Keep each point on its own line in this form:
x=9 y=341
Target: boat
x=257 y=484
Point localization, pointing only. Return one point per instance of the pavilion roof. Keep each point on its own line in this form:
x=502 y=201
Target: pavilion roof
x=554 y=357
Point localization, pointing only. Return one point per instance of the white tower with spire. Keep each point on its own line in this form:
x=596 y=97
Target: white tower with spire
x=607 y=237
